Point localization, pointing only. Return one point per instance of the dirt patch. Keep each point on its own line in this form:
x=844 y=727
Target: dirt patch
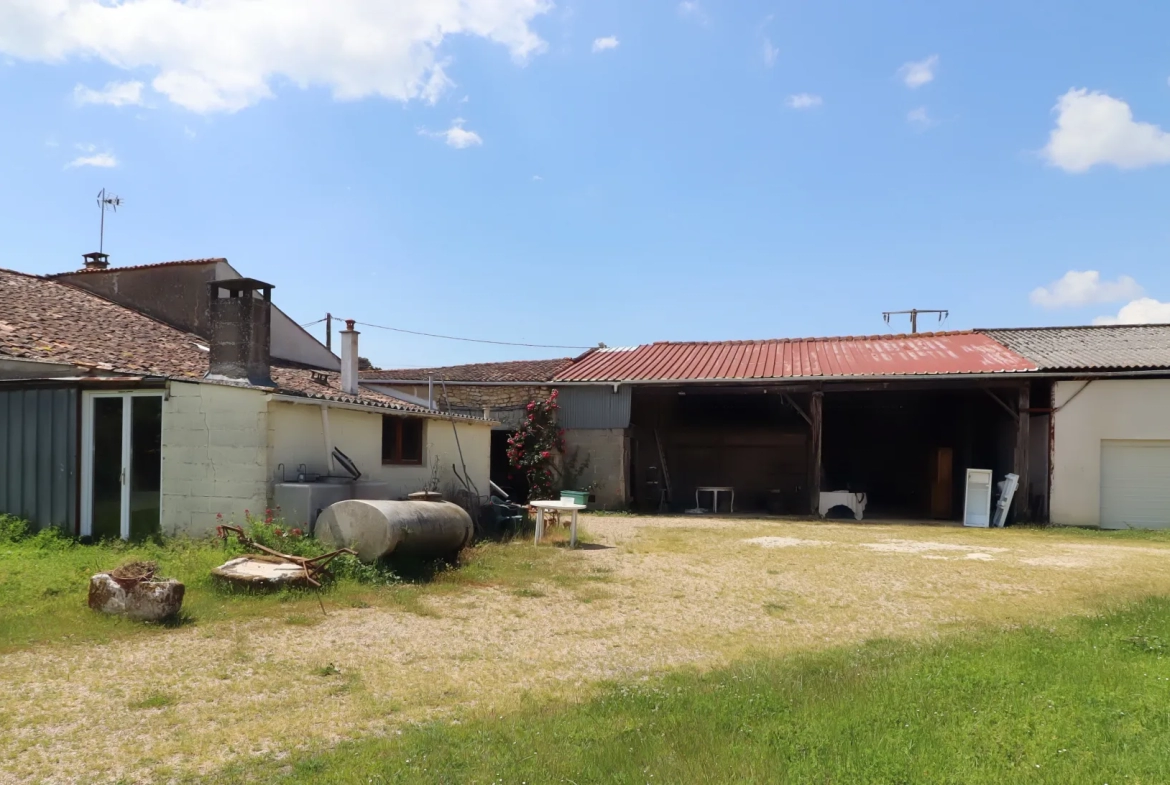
x=785 y=542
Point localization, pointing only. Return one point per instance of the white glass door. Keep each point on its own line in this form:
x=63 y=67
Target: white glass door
x=121 y=472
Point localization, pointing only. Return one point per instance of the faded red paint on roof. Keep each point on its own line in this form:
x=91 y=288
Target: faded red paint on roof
x=924 y=354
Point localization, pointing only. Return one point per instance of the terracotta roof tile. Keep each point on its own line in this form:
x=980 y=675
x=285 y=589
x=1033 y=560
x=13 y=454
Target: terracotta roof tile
x=41 y=319
x=45 y=320
x=533 y=371
x=94 y=271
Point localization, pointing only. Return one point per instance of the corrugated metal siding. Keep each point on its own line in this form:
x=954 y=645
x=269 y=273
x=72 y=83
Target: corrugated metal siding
x=594 y=407
x=38 y=456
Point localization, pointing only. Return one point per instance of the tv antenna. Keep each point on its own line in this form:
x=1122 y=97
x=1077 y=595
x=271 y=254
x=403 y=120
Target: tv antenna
x=105 y=200
x=913 y=313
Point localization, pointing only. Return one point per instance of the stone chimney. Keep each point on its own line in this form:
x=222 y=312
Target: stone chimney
x=241 y=319
x=349 y=359
x=96 y=261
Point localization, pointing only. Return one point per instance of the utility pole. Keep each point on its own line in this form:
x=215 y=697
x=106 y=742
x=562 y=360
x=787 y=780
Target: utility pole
x=913 y=313
x=329 y=331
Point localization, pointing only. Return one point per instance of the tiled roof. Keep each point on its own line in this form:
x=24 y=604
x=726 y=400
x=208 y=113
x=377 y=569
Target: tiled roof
x=1102 y=348
x=885 y=355
x=45 y=320
x=514 y=371
x=51 y=322
x=193 y=262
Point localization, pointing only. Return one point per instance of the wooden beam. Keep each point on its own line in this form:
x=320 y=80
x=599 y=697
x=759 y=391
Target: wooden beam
x=1015 y=415
x=786 y=397
x=816 y=409
x=1023 y=499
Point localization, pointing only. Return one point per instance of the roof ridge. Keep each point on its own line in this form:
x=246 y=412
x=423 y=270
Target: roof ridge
x=985 y=330
x=148 y=265
x=870 y=337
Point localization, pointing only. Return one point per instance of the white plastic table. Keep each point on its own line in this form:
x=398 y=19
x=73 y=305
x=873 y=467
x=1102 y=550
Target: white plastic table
x=715 y=490
x=556 y=505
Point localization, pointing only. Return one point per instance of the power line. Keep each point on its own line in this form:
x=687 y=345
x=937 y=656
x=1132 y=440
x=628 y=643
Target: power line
x=472 y=340
x=310 y=324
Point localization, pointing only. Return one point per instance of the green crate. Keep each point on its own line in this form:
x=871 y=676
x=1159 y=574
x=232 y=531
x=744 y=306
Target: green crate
x=576 y=497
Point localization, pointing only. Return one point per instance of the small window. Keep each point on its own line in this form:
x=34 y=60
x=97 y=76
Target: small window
x=402 y=439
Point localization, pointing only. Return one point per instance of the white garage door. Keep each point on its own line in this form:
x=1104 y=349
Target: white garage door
x=1135 y=484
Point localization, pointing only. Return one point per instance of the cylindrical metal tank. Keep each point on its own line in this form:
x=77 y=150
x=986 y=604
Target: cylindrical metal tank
x=377 y=528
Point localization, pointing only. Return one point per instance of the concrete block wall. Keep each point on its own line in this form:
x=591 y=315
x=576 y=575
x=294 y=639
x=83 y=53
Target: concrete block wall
x=607 y=450
x=215 y=456
x=296 y=436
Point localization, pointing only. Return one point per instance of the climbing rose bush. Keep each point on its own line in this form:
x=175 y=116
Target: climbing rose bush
x=532 y=449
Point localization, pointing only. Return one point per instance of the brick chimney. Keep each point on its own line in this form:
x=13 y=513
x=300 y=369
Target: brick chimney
x=349 y=359
x=241 y=319
x=96 y=260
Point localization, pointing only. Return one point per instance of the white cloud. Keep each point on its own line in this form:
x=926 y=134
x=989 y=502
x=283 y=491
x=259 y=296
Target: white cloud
x=223 y=55
x=536 y=178
x=100 y=160
x=113 y=94
x=692 y=10
x=609 y=42
x=456 y=136
x=188 y=132
x=1093 y=128
x=770 y=53
x=1144 y=310
x=917 y=73
x=919 y=118
x=1084 y=287
x=803 y=101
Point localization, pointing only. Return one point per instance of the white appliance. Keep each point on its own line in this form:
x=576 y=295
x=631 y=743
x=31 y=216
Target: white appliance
x=1007 y=491
x=977 y=500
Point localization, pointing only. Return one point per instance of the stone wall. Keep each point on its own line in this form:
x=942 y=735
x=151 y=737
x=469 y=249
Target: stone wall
x=214 y=456
x=467 y=396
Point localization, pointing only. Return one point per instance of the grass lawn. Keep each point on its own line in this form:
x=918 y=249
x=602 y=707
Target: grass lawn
x=745 y=633
x=1084 y=701
x=44 y=583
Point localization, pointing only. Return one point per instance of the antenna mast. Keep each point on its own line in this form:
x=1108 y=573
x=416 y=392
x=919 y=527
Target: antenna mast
x=105 y=200
x=913 y=313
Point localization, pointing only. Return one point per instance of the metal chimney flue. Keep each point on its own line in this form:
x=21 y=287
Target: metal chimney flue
x=241 y=330
x=349 y=359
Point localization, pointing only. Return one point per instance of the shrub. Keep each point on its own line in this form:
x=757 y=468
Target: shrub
x=13 y=529
x=531 y=448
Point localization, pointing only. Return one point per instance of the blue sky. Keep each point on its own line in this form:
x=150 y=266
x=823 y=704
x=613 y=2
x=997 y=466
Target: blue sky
x=603 y=171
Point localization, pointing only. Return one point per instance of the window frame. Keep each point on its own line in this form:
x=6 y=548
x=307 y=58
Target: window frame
x=400 y=423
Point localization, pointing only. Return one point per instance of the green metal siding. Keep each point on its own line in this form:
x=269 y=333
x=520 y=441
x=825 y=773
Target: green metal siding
x=38 y=456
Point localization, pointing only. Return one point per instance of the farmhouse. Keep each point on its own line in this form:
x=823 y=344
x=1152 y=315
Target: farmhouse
x=1079 y=414
x=128 y=409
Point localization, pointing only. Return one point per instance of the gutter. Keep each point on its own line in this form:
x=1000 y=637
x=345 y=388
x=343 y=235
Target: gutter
x=796 y=380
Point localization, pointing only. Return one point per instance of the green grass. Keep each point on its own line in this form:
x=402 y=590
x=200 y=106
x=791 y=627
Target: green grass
x=154 y=700
x=1084 y=702
x=44 y=581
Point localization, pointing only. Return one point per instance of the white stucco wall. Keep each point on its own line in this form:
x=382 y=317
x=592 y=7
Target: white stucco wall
x=214 y=456
x=296 y=436
x=1106 y=409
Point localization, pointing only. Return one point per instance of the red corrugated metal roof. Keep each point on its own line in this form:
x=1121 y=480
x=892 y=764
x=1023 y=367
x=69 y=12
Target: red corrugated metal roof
x=876 y=355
